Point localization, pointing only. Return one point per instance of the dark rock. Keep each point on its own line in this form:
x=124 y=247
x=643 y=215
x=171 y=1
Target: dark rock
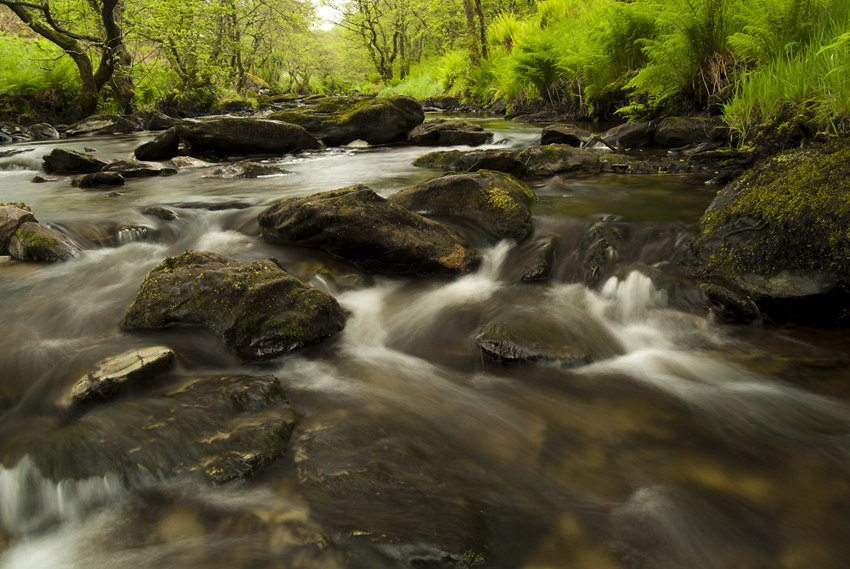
x=64 y=160
x=340 y=120
x=534 y=161
x=116 y=374
x=567 y=134
x=101 y=124
x=359 y=225
x=256 y=307
x=98 y=179
x=456 y=161
x=234 y=106
x=164 y=147
x=8 y=153
x=683 y=131
x=497 y=201
x=541 y=257
x=159 y=121
x=616 y=163
x=630 y=135
x=538 y=117
x=731 y=304
x=235 y=135
x=43 y=131
x=39 y=179
x=162 y=213
x=12 y=216
x=37 y=242
x=559 y=159
x=247 y=169
x=442 y=132
x=139 y=169
x=443 y=102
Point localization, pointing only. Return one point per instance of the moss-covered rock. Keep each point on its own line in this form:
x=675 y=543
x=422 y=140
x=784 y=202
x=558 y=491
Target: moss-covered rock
x=255 y=306
x=559 y=159
x=340 y=120
x=443 y=132
x=534 y=161
x=37 y=242
x=360 y=226
x=237 y=135
x=781 y=230
x=12 y=216
x=497 y=201
x=470 y=161
x=98 y=179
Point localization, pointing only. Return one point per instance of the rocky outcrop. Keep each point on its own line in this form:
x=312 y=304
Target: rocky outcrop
x=780 y=233
x=246 y=169
x=37 y=242
x=684 y=131
x=255 y=306
x=12 y=216
x=496 y=201
x=228 y=136
x=443 y=132
x=568 y=134
x=102 y=124
x=164 y=147
x=339 y=120
x=362 y=227
x=139 y=169
x=67 y=161
x=112 y=376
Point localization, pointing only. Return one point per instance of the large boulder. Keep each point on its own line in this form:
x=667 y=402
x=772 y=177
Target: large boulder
x=12 y=216
x=98 y=179
x=443 y=132
x=65 y=160
x=684 y=131
x=37 y=242
x=43 y=131
x=164 y=146
x=497 y=201
x=227 y=136
x=470 y=161
x=255 y=306
x=340 y=120
x=102 y=124
x=554 y=159
x=629 y=135
x=379 y=236
x=780 y=231
x=113 y=375
x=139 y=169
x=561 y=133
x=534 y=161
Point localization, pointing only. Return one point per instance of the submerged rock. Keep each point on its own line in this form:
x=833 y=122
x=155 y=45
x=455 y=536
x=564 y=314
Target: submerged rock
x=12 y=216
x=113 y=375
x=160 y=212
x=339 y=120
x=139 y=169
x=255 y=306
x=242 y=135
x=247 y=169
x=362 y=227
x=37 y=242
x=497 y=201
x=443 y=132
x=64 y=160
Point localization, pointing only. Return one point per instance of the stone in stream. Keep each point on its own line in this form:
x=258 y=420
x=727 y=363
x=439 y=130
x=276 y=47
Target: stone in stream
x=229 y=136
x=139 y=169
x=258 y=309
x=534 y=161
x=629 y=135
x=246 y=169
x=160 y=212
x=98 y=179
x=375 y=234
x=43 y=131
x=568 y=134
x=443 y=132
x=64 y=160
x=102 y=124
x=336 y=121
x=540 y=259
x=116 y=374
x=496 y=201
x=37 y=242
x=12 y=216
x=473 y=160
x=163 y=147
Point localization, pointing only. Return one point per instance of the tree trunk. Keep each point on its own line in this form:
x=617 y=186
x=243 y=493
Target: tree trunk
x=482 y=29
x=471 y=35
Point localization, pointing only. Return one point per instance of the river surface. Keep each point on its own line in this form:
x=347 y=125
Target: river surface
x=689 y=444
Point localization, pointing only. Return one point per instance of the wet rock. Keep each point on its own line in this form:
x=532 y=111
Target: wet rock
x=98 y=179
x=37 y=242
x=683 y=131
x=158 y=122
x=443 y=132
x=234 y=106
x=159 y=212
x=246 y=169
x=64 y=160
x=497 y=201
x=630 y=135
x=567 y=134
x=559 y=159
x=101 y=124
x=731 y=304
x=616 y=163
x=359 y=225
x=189 y=162
x=14 y=152
x=237 y=135
x=43 y=131
x=339 y=120
x=442 y=103
x=221 y=428
x=116 y=374
x=780 y=231
x=541 y=257
x=471 y=161
x=12 y=216
x=255 y=306
x=164 y=147
x=39 y=179
x=139 y=169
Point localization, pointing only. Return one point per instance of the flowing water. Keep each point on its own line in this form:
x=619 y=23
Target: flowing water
x=686 y=444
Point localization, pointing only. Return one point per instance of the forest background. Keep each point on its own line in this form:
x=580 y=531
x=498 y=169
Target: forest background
x=764 y=65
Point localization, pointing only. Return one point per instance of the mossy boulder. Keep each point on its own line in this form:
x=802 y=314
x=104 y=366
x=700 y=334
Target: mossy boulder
x=470 y=161
x=554 y=159
x=12 y=216
x=495 y=200
x=37 y=242
x=67 y=161
x=683 y=131
x=534 y=161
x=781 y=230
x=340 y=120
x=443 y=132
x=255 y=306
x=228 y=136
x=246 y=169
x=366 y=229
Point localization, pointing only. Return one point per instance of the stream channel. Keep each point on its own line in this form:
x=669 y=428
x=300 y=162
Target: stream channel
x=687 y=444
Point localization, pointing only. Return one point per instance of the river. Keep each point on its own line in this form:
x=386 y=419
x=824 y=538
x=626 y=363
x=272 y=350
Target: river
x=690 y=444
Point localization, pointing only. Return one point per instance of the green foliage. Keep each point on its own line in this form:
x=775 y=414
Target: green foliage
x=34 y=77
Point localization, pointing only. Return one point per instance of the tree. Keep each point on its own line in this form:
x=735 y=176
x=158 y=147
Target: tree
x=79 y=29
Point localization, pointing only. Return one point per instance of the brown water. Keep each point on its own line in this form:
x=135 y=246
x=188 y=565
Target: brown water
x=695 y=446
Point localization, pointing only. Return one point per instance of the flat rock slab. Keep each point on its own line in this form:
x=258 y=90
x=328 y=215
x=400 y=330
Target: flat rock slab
x=445 y=132
x=37 y=242
x=568 y=134
x=139 y=169
x=101 y=124
x=495 y=200
x=258 y=309
x=11 y=218
x=65 y=160
x=534 y=161
x=473 y=160
x=246 y=169
x=98 y=179
x=377 y=235
x=113 y=375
